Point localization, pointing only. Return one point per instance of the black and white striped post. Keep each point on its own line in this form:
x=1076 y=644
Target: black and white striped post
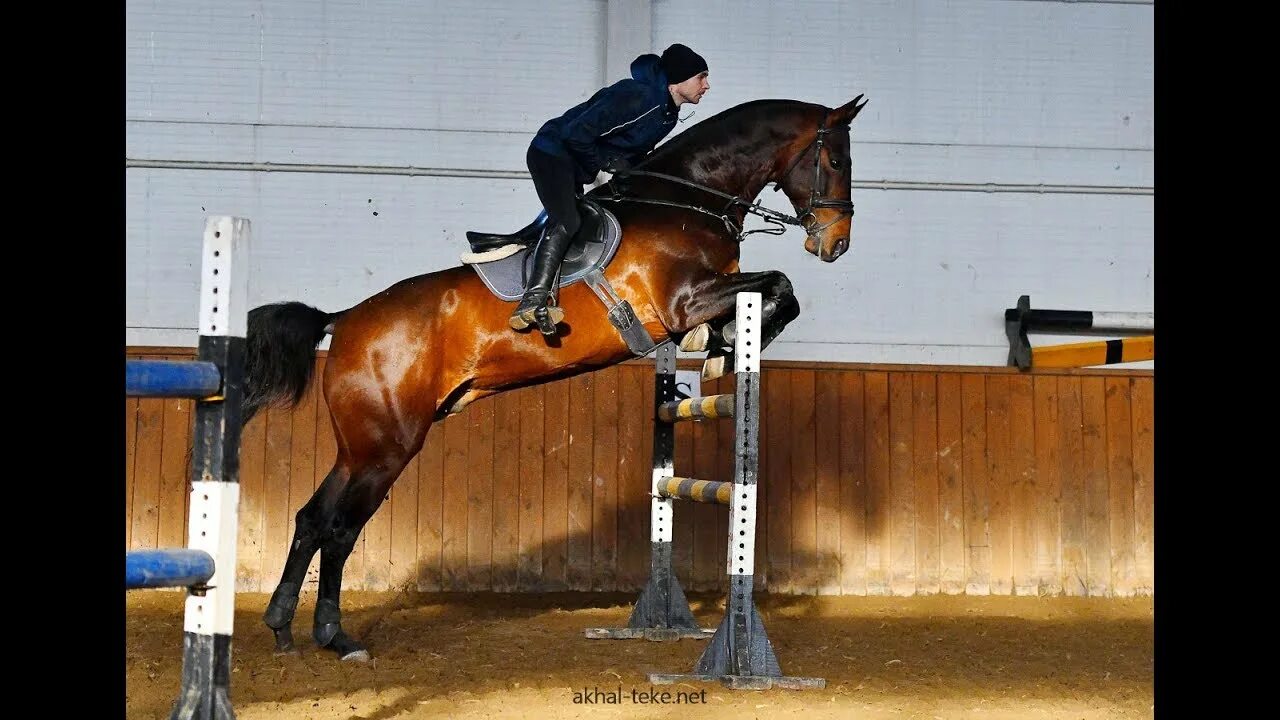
x=207 y=567
x=1020 y=320
x=662 y=610
x=739 y=655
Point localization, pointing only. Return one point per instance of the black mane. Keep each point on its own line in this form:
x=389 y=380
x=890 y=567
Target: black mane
x=738 y=122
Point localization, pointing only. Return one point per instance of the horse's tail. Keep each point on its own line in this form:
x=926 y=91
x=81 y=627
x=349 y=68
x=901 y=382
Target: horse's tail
x=280 y=353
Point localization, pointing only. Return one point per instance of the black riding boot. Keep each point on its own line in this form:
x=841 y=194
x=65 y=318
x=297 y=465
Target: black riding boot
x=485 y=242
x=546 y=265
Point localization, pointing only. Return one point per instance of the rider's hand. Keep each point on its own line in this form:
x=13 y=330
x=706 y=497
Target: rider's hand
x=617 y=166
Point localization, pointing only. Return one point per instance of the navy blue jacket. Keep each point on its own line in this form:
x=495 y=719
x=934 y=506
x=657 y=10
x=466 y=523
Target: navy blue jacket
x=626 y=119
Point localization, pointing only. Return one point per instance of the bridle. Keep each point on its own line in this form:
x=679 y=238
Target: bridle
x=804 y=220
x=815 y=195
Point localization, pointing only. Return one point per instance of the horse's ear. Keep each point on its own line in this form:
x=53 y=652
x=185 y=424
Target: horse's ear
x=845 y=114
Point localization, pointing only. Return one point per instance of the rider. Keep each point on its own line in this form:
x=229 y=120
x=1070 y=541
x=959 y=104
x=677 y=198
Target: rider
x=611 y=131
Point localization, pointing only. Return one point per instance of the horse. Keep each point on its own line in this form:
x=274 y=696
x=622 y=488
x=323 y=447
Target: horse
x=429 y=345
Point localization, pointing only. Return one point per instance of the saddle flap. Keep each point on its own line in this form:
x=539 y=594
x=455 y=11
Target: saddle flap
x=592 y=248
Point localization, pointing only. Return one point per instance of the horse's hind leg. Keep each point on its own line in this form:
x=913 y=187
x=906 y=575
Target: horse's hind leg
x=370 y=482
x=310 y=530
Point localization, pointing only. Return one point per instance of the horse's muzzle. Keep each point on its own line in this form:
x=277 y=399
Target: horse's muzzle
x=814 y=246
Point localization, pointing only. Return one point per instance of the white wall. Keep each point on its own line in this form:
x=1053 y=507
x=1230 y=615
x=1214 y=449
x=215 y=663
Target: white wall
x=970 y=101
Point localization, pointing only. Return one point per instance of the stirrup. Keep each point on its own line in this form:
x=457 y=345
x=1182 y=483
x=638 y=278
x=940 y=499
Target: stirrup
x=539 y=313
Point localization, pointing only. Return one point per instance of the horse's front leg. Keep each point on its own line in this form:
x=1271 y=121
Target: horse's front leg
x=715 y=303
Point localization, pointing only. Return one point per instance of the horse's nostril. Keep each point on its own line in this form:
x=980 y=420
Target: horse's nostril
x=842 y=244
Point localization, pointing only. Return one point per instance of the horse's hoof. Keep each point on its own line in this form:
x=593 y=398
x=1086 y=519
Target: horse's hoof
x=713 y=368
x=284 y=641
x=346 y=648
x=696 y=339
x=282 y=652
x=356 y=656
x=730 y=332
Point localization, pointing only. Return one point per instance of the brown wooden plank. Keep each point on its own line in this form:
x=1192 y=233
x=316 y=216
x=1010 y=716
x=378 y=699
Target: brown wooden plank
x=506 y=490
x=1071 y=481
x=1048 y=576
x=999 y=488
x=480 y=496
x=604 y=485
x=529 y=402
x=1124 y=577
x=902 y=488
x=853 y=486
x=581 y=442
x=776 y=391
x=1022 y=483
x=951 y=531
x=453 y=549
x=708 y=564
x=924 y=445
x=431 y=502
x=130 y=451
x=377 y=548
x=977 y=503
x=555 y=497
x=302 y=465
x=879 y=525
x=636 y=438
x=827 y=429
x=175 y=470
x=276 y=536
x=403 y=507
x=147 y=470
x=804 y=501
x=1097 y=486
x=252 y=509
x=1143 y=413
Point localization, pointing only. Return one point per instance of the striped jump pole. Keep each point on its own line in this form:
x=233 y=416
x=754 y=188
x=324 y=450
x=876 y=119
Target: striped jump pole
x=207 y=567
x=172 y=378
x=167 y=568
x=739 y=654
x=1098 y=352
x=661 y=612
x=704 y=491
x=1020 y=320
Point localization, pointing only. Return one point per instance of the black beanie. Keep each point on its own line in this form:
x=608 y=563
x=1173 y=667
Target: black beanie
x=680 y=63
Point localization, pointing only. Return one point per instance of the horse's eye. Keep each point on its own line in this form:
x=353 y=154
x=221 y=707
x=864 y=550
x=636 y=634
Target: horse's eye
x=835 y=163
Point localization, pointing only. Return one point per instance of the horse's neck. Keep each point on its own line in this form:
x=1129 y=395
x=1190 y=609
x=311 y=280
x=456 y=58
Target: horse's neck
x=724 y=167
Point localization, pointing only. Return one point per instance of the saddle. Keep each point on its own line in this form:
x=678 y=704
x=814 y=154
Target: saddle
x=505 y=269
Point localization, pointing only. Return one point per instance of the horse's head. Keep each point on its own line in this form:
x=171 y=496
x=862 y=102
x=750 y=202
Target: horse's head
x=816 y=173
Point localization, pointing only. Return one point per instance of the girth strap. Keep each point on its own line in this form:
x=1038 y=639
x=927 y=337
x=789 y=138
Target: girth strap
x=621 y=314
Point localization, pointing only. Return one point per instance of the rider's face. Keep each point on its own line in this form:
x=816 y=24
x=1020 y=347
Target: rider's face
x=693 y=89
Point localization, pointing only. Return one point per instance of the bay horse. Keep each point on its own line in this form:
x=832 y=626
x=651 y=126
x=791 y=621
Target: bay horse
x=429 y=345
